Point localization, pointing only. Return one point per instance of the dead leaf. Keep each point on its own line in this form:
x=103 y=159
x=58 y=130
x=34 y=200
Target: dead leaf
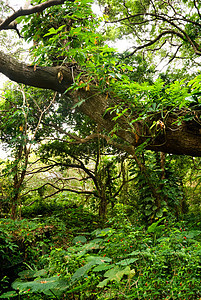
x=60 y=76
x=87 y=87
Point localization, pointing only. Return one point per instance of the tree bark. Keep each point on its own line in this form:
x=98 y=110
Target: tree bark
x=183 y=139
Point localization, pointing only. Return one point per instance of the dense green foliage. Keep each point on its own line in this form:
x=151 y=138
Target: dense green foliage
x=123 y=260
x=80 y=217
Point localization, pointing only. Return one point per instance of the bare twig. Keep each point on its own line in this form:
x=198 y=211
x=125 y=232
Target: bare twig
x=41 y=115
x=157 y=39
x=195 y=4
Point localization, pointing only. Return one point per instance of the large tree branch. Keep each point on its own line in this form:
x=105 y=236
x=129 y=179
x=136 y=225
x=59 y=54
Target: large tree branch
x=25 y=12
x=11 y=25
x=183 y=139
x=42 y=77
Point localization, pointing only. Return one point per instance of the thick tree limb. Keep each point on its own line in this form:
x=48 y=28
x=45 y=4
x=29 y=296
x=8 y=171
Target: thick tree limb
x=25 y=12
x=11 y=25
x=42 y=77
x=183 y=139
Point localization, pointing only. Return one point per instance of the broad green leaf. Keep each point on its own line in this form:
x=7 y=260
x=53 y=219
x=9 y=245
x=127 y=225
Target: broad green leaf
x=82 y=271
x=9 y=295
x=159 y=213
x=103 y=283
x=54 y=31
x=102 y=267
x=148 y=212
x=152 y=227
x=32 y=273
x=134 y=253
x=92 y=261
x=94 y=244
x=193 y=233
x=43 y=285
x=127 y=261
x=102 y=232
x=115 y=274
x=79 y=239
x=98 y=260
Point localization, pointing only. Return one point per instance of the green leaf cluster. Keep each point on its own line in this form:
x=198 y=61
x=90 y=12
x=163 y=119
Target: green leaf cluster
x=129 y=261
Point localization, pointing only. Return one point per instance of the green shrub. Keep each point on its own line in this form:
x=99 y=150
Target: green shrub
x=121 y=262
